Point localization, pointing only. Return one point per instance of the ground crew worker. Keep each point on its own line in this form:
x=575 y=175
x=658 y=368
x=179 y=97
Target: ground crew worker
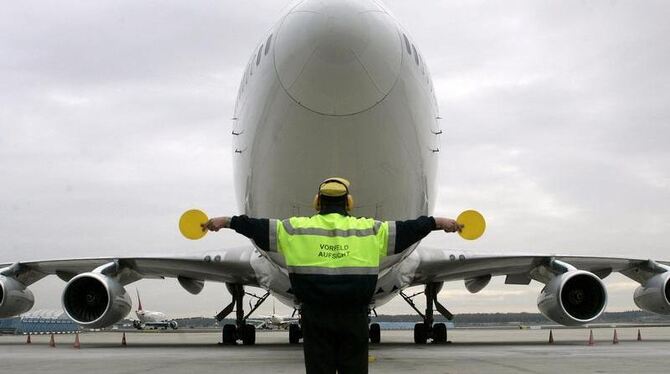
x=333 y=262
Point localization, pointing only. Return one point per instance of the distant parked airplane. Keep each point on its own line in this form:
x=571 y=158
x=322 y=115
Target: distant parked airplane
x=149 y=319
x=274 y=320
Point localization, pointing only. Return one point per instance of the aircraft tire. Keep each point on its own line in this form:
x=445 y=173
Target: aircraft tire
x=420 y=335
x=375 y=333
x=439 y=333
x=294 y=333
x=248 y=335
x=229 y=334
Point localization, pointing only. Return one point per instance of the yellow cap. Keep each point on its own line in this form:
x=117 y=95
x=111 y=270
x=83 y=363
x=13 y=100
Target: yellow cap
x=334 y=187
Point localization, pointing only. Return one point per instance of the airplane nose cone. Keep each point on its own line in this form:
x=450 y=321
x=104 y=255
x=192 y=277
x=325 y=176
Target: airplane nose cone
x=338 y=57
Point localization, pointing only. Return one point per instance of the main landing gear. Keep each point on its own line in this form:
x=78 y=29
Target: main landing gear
x=240 y=330
x=427 y=330
x=294 y=329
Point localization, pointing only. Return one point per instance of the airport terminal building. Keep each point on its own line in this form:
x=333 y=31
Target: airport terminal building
x=39 y=322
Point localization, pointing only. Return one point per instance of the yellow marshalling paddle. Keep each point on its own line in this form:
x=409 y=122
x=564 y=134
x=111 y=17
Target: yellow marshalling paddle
x=473 y=223
x=190 y=224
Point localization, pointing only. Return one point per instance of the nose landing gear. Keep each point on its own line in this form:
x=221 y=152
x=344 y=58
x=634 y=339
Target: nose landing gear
x=375 y=333
x=294 y=333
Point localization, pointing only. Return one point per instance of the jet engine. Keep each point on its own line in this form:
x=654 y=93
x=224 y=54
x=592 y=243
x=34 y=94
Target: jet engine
x=654 y=295
x=573 y=298
x=95 y=300
x=15 y=298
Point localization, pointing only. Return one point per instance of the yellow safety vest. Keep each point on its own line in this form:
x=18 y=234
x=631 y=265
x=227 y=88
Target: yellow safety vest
x=332 y=244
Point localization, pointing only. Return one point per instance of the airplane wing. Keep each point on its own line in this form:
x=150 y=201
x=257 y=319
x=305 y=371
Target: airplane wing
x=231 y=265
x=443 y=265
x=95 y=297
x=574 y=293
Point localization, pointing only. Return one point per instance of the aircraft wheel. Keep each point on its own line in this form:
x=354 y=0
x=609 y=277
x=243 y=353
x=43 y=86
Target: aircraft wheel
x=439 y=333
x=248 y=335
x=229 y=334
x=375 y=333
x=294 y=333
x=420 y=333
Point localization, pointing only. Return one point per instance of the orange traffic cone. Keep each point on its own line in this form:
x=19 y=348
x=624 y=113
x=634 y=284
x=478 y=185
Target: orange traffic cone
x=551 y=336
x=76 y=345
x=28 y=341
x=615 y=340
x=639 y=335
x=52 y=342
x=591 y=341
x=123 y=340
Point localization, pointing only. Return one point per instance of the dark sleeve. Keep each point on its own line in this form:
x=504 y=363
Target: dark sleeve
x=411 y=231
x=256 y=229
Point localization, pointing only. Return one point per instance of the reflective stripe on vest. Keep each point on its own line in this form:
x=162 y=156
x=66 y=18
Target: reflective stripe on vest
x=332 y=244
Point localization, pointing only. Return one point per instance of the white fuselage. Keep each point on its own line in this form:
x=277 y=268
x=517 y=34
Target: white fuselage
x=146 y=316
x=276 y=321
x=336 y=88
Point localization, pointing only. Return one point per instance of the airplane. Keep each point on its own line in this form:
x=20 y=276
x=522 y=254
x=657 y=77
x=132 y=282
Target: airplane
x=149 y=319
x=337 y=87
x=273 y=321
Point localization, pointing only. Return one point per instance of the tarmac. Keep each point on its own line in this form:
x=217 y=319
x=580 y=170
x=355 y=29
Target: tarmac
x=470 y=351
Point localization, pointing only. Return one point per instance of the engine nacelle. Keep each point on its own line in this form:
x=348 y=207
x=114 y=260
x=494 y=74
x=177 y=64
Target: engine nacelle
x=654 y=296
x=15 y=298
x=573 y=298
x=94 y=300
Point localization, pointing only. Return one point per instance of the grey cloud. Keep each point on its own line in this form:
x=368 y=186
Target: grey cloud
x=113 y=41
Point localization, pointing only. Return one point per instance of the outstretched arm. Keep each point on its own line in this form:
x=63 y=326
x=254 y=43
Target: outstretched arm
x=256 y=229
x=411 y=231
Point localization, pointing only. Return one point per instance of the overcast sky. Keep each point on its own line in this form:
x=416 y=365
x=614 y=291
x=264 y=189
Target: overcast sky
x=115 y=118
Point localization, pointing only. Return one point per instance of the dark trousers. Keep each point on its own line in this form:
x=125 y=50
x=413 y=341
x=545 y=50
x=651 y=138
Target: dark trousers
x=335 y=341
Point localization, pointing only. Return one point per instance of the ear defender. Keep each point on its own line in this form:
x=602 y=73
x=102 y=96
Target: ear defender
x=350 y=203
x=333 y=187
x=316 y=203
